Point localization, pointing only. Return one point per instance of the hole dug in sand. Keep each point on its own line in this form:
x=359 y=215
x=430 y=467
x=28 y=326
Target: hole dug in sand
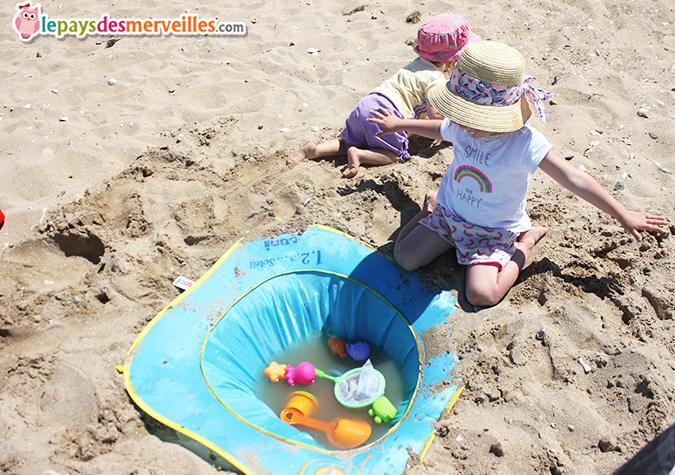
x=88 y=246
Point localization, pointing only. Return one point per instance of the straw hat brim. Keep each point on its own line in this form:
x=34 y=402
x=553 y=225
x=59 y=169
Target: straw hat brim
x=479 y=116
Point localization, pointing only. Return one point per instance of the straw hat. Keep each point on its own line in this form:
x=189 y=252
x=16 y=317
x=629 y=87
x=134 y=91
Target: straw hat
x=485 y=89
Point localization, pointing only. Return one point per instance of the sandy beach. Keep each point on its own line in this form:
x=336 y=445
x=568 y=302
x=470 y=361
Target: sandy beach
x=128 y=160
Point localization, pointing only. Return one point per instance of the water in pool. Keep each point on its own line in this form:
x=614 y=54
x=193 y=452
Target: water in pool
x=315 y=350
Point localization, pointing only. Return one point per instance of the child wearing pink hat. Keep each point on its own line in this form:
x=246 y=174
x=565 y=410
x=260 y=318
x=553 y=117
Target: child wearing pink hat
x=439 y=43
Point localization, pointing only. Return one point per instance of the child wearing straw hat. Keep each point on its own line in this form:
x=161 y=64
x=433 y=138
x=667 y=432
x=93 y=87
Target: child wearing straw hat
x=439 y=43
x=480 y=206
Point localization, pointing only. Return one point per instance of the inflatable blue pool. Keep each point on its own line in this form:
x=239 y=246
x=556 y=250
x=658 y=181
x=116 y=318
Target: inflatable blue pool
x=194 y=366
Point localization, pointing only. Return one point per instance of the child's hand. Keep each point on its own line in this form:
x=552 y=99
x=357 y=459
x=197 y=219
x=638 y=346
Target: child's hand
x=634 y=220
x=385 y=119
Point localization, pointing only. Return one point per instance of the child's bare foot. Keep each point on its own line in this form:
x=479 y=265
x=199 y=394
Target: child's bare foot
x=429 y=202
x=353 y=163
x=529 y=239
x=306 y=152
x=350 y=172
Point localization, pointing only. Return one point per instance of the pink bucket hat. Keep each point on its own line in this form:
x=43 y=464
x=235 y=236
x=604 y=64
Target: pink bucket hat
x=443 y=37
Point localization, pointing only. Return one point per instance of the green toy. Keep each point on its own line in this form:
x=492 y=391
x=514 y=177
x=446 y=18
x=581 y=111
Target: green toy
x=382 y=411
x=342 y=383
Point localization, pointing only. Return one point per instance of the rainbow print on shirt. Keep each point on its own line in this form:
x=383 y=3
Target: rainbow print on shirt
x=466 y=171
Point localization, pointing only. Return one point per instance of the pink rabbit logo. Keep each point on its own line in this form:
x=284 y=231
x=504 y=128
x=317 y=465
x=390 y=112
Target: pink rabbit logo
x=27 y=20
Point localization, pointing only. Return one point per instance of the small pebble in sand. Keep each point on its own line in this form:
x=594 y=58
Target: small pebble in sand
x=313 y=51
x=414 y=17
x=260 y=127
x=663 y=169
x=63 y=119
x=541 y=334
x=27 y=106
x=582 y=168
x=584 y=365
x=569 y=157
x=653 y=135
x=571 y=428
x=619 y=186
x=284 y=130
x=642 y=112
x=112 y=82
x=608 y=444
x=54 y=91
x=497 y=449
x=315 y=129
x=76 y=300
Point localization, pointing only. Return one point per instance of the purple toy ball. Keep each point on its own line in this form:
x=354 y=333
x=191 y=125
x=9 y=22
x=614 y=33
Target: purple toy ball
x=304 y=373
x=359 y=351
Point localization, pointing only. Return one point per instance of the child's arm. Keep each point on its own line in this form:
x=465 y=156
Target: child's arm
x=585 y=186
x=390 y=124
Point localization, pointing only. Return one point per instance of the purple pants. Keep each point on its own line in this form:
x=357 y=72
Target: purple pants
x=360 y=133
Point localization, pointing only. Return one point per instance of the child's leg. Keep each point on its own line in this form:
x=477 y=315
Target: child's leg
x=427 y=209
x=312 y=151
x=419 y=248
x=486 y=285
x=417 y=245
x=357 y=156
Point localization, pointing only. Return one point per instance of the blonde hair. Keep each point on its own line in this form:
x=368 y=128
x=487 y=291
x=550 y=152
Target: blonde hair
x=446 y=67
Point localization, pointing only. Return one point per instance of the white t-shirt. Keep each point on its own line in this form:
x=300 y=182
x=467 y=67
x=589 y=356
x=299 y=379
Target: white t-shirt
x=409 y=87
x=488 y=179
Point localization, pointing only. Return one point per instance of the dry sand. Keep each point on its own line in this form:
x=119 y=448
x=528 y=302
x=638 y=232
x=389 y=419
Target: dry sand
x=158 y=174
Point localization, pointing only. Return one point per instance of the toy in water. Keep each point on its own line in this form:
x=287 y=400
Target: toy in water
x=382 y=411
x=342 y=433
x=303 y=402
x=359 y=351
x=335 y=343
x=337 y=346
x=303 y=373
x=358 y=387
x=275 y=371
